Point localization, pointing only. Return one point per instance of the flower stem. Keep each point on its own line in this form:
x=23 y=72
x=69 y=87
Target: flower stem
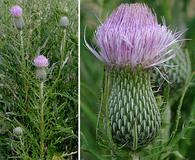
x=135 y=156
x=166 y=123
x=23 y=64
x=22 y=49
x=63 y=46
x=178 y=114
x=42 y=122
x=25 y=157
x=62 y=54
x=62 y=50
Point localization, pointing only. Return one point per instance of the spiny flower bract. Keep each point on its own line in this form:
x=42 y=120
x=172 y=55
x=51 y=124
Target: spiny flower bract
x=16 y=11
x=41 y=61
x=131 y=36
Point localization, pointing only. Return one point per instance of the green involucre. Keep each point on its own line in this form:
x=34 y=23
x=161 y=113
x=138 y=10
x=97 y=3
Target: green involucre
x=177 y=70
x=134 y=115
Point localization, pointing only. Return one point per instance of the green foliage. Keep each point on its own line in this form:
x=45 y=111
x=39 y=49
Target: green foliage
x=176 y=139
x=47 y=112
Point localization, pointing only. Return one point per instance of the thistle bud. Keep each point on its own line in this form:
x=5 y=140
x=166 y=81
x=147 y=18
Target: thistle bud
x=64 y=22
x=134 y=114
x=176 y=70
x=41 y=63
x=18 y=131
x=16 y=12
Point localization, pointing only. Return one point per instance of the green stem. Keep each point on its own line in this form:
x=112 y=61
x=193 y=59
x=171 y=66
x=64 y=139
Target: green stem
x=22 y=49
x=42 y=122
x=62 y=53
x=25 y=157
x=63 y=46
x=135 y=156
x=166 y=123
x=178 y=114
x=23 y=65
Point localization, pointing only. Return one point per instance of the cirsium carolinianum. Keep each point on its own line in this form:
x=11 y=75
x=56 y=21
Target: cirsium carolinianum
x=131 y=44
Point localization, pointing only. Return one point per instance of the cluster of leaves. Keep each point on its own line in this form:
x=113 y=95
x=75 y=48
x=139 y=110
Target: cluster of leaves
x=20 y=97
x=180 y=103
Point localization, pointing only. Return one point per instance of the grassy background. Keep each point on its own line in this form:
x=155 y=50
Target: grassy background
x=179 y=15
x=19 y=88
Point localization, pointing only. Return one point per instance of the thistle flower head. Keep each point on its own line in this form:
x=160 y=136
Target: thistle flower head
x=41 y=61
x=16 y=11
x=131 y=36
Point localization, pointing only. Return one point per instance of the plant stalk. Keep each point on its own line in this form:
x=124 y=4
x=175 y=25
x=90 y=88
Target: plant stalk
x=22 y=49
x=23 y=64
x=42 y=122
x=135 y=156
x=62 y=50
x=63 y=46
x=24 y=155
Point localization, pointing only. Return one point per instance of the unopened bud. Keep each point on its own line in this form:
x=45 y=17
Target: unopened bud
x=18 y=131
x=64 y=22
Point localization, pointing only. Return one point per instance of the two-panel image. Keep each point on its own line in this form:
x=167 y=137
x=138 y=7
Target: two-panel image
x=97 y=79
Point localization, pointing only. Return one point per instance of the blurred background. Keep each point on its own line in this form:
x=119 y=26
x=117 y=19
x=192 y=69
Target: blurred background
x=179 y=15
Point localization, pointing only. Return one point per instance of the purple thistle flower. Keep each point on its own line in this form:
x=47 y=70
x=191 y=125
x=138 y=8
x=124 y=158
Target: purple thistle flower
x=131 y=36
x=41 y=61
x=16 y=11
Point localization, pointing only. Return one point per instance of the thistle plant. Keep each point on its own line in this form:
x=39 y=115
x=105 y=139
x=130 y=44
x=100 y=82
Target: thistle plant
x=41 y=62
x=131 y=44
x=38 y=84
